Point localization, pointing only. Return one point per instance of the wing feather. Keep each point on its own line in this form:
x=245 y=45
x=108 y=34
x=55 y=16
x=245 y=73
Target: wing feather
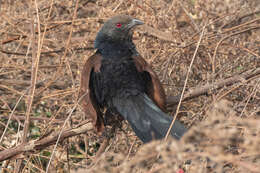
x=155 y=89
x=88 y=102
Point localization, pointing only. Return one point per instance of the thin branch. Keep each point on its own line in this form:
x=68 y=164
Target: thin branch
x=35 y=63
x=19 y=117
x=45 y=53
x=38 y=145
x=201 y=90
x=226 y=37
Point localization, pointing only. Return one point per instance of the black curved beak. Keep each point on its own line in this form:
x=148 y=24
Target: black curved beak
x=134 y=23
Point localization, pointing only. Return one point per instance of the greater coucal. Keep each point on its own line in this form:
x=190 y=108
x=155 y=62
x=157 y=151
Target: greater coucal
x=118 y=79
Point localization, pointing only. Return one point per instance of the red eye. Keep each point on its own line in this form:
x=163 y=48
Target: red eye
x=118 y=25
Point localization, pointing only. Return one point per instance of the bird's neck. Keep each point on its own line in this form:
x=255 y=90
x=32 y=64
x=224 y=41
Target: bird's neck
x=111 y=48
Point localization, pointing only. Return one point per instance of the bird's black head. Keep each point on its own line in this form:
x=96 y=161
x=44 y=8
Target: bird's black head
x=117 y=28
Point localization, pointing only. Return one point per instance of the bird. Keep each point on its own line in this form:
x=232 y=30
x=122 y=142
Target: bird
x=116 y=78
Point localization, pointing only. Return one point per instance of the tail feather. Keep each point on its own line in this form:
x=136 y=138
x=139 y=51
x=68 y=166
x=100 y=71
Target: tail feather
x=146 y=119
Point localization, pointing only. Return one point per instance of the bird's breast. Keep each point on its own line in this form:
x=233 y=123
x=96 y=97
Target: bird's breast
x=120 y=77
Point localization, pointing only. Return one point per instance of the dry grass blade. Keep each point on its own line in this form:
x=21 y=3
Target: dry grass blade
x=185 y=83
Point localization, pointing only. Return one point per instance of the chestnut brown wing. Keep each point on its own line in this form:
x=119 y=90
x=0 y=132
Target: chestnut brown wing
x=154 y=86
x=88 y=102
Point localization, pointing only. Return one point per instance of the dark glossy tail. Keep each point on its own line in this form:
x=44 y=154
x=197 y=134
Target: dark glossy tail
x=146 y=119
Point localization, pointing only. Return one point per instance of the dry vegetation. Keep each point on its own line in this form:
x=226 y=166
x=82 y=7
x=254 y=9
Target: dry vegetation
x=212 y=47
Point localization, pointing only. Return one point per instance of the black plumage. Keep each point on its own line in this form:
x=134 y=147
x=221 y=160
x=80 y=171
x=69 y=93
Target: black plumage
x=120 y=80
